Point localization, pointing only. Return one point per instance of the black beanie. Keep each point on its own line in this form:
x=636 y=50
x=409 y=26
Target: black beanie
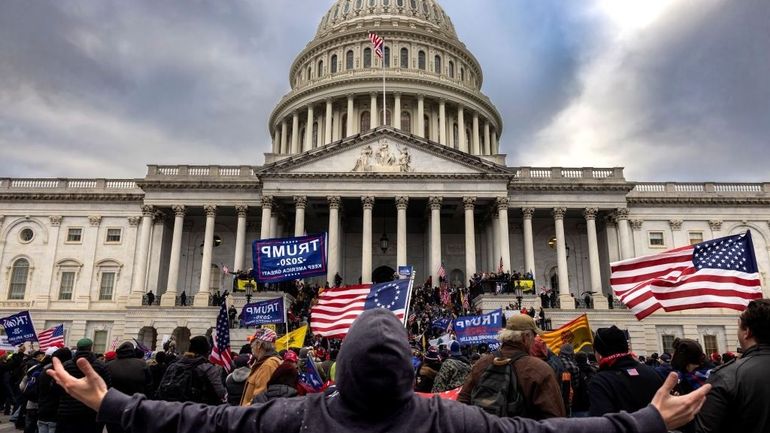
x=610 y=341
x=64 y=354
x=200 y=345
x=686 y=351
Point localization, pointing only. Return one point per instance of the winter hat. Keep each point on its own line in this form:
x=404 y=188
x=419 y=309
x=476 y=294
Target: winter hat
x=290 y=356
x=566 y=349
x=727 y=357
x=716 y=358
x=199 y=345
x=111 y=355
x=665 y=357
x=264 y=334
x=686 y=351
x=63 y=354
x=454 y=348
x=432 y=354
x=241 y=361
x=50 y=351
x=245 y=349
x=522 y=322
x=610 y=341
x=85 y=344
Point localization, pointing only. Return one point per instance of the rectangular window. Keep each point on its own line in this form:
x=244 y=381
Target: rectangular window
x=696 y=238
x=113 y=236
x=656 y=239
x=100 y=341
x=106 y=286
x=668 y=343
x=74 y=234
x=710 y=344
x=66 y=286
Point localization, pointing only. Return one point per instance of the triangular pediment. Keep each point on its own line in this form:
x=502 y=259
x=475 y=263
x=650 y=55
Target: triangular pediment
x=385 y=151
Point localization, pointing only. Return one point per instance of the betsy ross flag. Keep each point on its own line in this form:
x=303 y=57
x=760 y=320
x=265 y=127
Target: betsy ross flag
x=720 y=273
x=338 y=307
x=51 y=337
x=220 y=351
x=377 y=42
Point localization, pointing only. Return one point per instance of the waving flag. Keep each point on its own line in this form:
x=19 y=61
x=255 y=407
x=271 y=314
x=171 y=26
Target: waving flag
x=220 y=351
x=576 y=332
x=51 y=337
x=309 y=377
x=720 y=273
x=338 y=307
x=377 y=42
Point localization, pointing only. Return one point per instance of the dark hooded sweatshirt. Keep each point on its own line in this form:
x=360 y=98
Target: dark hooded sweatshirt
x=374 y=394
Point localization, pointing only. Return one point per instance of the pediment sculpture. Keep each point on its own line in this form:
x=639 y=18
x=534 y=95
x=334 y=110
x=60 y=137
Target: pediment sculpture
x=383 y=159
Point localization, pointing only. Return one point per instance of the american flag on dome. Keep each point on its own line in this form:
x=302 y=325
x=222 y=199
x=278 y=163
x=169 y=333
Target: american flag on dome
x=51 y=337
x=220 y=351
x=720 y=273
x=377 y=42
x=338 y=307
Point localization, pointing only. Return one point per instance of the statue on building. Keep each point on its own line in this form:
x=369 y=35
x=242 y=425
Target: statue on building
x=364 y=161
x=405 y=160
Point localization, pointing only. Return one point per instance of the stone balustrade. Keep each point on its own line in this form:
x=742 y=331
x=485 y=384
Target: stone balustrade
x=67 y=184
x=155 y=172
x=700 y=188
x=586 y=173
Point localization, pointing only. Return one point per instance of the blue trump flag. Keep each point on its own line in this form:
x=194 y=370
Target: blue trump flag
x=19 y=328
x=263 y=312
x=309 y=377
x=286 y=259
x=479 y=329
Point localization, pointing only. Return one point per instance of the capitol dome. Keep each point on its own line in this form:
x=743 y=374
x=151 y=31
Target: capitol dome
x=433 y=82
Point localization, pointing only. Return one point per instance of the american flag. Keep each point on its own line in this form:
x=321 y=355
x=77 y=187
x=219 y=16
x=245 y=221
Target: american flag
x=720 y=273
x=338 y=307
x=51 y=337
x=500 y=268
x=446 y=297
x=441 y=273
x=377 y=42
x=466 y=304
x=220 y=352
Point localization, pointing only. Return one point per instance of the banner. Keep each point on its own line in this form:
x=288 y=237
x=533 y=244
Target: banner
x=577 y=333
x=525 y=285
x=295 y=338
x=19 y=328
x=260 y=313
x=405 y=272
x=241 y=285
x=479 y=329
x=286 y=259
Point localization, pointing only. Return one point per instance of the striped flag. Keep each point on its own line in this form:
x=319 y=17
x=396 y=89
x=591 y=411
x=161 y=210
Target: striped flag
x=220 y=351
x=441 y=272
x=338 y=307
x=720 y=273
x=51 y=337
x=378 y=42
x=465 y=302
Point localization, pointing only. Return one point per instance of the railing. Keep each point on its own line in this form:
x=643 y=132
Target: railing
x=542 y=173
x=650 y=187
x=229 y=171
x=689 y=187
x=34 y=183
x=738 y=187
x=68 y=184
x=705 y=187
x=574 y=173
x=168 y=171
x=587 y=173
x=120 y=184
x=200 y=171
x=81 y=183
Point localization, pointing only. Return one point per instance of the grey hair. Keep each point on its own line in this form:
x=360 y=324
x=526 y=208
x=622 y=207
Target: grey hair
x=265 y=345
x=509 y=336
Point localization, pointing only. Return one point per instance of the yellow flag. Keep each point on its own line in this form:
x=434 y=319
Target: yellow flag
x=577 y=333
x=295 y=338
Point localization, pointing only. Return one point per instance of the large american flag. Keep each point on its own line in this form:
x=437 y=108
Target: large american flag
x=220 y=352
x=441 y=272
x=377 y=42
x=720 y=273
x=51 y=337
x=338 y=307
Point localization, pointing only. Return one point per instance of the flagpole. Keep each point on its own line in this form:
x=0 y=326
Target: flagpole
x=384 y=101
x=285 y=321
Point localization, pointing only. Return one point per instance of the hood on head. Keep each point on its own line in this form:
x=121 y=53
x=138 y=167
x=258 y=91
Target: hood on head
x=125 y=350
x=374 y=367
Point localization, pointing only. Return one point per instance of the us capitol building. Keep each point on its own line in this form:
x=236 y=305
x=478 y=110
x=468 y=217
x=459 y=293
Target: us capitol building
x=429 y=186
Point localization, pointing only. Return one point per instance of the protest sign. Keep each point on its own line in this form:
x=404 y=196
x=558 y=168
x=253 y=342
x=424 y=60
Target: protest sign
x=285 y=259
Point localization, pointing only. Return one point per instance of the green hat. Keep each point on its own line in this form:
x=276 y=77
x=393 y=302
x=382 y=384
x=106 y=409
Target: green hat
x=85 y=344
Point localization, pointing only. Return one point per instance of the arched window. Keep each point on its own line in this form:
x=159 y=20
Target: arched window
x=349 y=59
x=437 y=64
x=371 y=3
x=334 y=64
x=456 y=136
x=344 y=125
x=19 y=276
x=451 y=69
x=462 y=74
x=421 y=60
x=426 y=124
x=367 y=57
x=388 y=119
x=320 y=68
x=366 y=121
x=386 y=54
x=386 y=3
x=359 y=4
x=309 y=73
x=404 y=58
x=406 y=122
x=413 y=4
x=400 y=3
x=315 y=135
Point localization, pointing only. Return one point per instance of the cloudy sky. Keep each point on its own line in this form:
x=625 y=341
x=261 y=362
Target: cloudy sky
x=673 y=90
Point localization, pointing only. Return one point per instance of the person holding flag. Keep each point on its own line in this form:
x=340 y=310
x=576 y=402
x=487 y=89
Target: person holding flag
x=265 y=364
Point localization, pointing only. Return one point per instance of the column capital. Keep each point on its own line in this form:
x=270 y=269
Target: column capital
x=435 y=202
x=55 y=220
x=134 y=220
x=397 y=94
x=350 y=96
x=590 y=213
x=179 y=210
x=469 y=202
x=94 y=220
x=368 y=202
x=676 y=225
x=610 y=220
x=210 y=210
x=300 y=201
x=158 y=217
x=621 y=213
x=402 y=202
x=329 y=101
x=558 y=213
x=715 y=225
x=148 y=210
x=267 y=202
x=636 y=224
x=502 y=203
x=335 y=201
x=527 y=212
x=373 y=94
x=242 y=210
x=420 y=97
x=441 y=101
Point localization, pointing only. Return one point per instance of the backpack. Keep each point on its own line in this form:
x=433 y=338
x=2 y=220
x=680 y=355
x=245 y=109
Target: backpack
x=497 y=392
x=30 y=391
x=183 y=382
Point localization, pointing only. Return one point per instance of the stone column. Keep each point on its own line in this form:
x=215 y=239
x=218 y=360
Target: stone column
x=366 y=240
x=495 y=147
x=300 y=202
x=476 y=148
x=397 y=111
x=309 y=129
x=593 y=250
x=442 y=122
x=319 y=132
x=490 y=251
x=276 y=138
x=172 y=285
x=328 y=119
x=626 y=249
x=505 y=247
x=470 y=237
x=373 y=117
x=140 y=267
x=350 y=116
x=435 y=237
x=295 y=133
x=284 y=137
x=496 y=235
x=462 y=145
x=529 y=245
x=332 y=259
x=202 y=297
x=267 y=209
x=561 y=258
x=487 y=144
x=401 y=204
x=240 y=237
x=434 y=124
x=420 y=116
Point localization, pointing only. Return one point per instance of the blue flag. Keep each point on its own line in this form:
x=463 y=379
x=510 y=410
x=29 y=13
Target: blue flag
x=19 y=328
x=310 y=378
